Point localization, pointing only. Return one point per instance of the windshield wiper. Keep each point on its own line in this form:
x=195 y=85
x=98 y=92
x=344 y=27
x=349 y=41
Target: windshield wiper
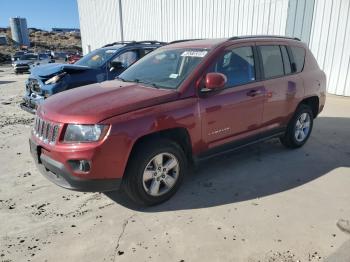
x=136 y=80
x=146 y=83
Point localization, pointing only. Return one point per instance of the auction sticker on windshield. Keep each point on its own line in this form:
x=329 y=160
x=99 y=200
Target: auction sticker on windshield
x=194 y=53
x=173 y=76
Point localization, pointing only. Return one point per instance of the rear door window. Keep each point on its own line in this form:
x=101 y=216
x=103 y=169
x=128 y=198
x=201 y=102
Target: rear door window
x=237 y=65
x=272 y=61
x=127 y=58
x=299 y=57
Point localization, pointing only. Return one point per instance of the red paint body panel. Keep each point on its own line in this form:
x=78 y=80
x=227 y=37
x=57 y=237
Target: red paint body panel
x=93 y=103
x=134 y=111
x=230 y=113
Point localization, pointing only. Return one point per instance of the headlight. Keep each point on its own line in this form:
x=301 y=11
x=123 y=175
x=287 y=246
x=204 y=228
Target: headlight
x=55 y=79
x=85 y=133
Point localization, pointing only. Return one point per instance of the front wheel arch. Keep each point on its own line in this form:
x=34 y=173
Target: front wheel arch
x=179 y=135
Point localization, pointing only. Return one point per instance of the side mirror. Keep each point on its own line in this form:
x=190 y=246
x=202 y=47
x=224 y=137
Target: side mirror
x=116 y=65
x=214 y=81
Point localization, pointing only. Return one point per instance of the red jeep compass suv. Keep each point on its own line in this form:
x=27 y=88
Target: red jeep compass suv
x=185 y=101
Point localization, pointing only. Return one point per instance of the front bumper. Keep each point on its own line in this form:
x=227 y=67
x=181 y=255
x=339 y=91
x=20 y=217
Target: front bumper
x=28 y=107
x=57 y=173
x=31 y=102
x=22 y=69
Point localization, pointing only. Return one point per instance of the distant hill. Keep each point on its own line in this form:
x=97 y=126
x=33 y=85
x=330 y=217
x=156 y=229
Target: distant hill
x=41 y=40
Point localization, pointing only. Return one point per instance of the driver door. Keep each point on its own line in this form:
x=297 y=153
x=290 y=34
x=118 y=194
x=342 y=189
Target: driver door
x=236 y=111
x=126 y=58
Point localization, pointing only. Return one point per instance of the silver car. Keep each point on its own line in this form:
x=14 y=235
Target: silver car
x=27 y=61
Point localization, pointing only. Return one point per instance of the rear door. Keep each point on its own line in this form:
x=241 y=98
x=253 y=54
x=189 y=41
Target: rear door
x=282 y=85
x=236 y=111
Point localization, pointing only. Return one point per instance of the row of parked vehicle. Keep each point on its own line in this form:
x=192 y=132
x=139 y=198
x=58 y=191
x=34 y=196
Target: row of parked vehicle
x=103 y=64
x=166 y=107
x=27 y=61
x=24 y=61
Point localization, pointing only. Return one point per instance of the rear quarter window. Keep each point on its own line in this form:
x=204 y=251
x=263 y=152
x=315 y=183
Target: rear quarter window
x=299 y=57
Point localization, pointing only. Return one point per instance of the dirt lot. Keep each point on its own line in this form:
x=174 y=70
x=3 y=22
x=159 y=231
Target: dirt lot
x=263 y=203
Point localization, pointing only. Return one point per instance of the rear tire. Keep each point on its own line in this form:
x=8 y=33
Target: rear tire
x=154 y=172
x=299 y=128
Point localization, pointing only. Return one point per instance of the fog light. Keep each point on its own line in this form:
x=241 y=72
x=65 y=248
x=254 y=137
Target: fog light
x=80 y=165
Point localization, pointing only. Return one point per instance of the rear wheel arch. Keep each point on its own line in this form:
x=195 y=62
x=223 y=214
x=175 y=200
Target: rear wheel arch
x=313 y=102
x=299 y=122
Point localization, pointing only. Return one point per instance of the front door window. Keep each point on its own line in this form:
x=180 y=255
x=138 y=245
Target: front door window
x=237 y=65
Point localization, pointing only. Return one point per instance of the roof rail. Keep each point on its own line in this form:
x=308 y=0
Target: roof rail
x=118 y=43
x=151 y=42
x=263 y=36
x=183 y=40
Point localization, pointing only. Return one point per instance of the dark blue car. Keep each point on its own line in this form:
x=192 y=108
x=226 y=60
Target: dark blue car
x=102 y=64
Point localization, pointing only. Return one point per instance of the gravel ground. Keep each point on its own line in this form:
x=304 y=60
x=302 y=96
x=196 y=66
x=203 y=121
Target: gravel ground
x=263 y=203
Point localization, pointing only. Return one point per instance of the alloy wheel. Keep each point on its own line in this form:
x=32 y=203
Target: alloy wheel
x=302 y=127
x=160 y=174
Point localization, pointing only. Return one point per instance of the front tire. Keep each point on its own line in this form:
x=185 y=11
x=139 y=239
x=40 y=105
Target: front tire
x=154 y=172
x=299 y=128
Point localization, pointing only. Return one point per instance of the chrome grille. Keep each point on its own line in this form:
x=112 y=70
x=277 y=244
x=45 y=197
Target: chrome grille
x=45 y=130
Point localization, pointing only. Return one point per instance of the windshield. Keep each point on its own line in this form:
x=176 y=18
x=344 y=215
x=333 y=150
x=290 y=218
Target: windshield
x=29 y=57
x=164 y=68
x=97 y=58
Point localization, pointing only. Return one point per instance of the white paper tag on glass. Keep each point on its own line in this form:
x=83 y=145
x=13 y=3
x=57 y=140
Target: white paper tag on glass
x=194 y=53
x=173 y=76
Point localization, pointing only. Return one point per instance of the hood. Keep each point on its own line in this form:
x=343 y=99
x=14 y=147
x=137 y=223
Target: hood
x=48 y=70
x=93 y=103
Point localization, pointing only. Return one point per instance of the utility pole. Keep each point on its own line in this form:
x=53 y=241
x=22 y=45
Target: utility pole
x=121 y=21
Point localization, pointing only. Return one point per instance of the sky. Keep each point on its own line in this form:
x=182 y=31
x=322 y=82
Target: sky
x=43 y=14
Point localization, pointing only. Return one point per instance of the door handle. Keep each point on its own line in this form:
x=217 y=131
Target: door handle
x=253 y=93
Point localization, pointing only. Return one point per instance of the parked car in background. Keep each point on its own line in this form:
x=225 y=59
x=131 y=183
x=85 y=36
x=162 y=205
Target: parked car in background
x=183 y=102
x=48 y=52
x=102 y=64
x=59 y=55
x=17 y=55
x=71 y=59
x=30 y=60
